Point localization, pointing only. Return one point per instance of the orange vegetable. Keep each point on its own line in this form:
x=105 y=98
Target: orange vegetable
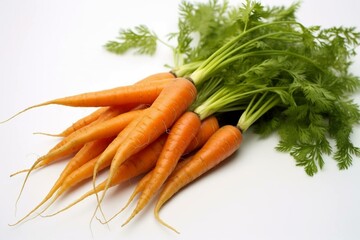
x=173 y=101
x=221 y=145
x=181 y=134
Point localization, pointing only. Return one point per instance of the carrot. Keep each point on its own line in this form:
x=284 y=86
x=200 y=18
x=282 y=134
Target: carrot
x=221 y=145
x=76 y=140
x=89 y=151
x=145 y=92
x=138 y=164
x=176 y=97
x=181 y=134
x=43 y=161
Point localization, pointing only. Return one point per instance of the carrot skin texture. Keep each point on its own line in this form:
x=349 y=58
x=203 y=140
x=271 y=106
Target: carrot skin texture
x=181 y=134
x=221 y=145
x=208 y=127
x=168 y=107
x=133 y=94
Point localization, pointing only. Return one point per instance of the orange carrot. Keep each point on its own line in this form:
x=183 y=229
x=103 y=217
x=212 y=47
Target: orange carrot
x=221 y=145
x=144 y=91
x=181 y=134
x=136 y=165
x=176 y=97
x=76 y=140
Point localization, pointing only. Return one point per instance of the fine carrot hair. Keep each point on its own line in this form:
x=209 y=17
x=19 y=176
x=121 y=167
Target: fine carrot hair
x=136 y=165
x=87 y=152
x=181 y=134
x=172 y=102
x=221 y=145
x=44 y=161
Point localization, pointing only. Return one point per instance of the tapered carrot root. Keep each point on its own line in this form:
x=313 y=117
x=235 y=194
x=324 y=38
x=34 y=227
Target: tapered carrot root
x=138 y=164
x=143 y=92
x=181 y=134
x=42 y=161
x=88 y=152
x=176 y=97
x=221 y=145
x=142 y=185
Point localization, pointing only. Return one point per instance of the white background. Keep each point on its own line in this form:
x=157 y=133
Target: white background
x=54 y=48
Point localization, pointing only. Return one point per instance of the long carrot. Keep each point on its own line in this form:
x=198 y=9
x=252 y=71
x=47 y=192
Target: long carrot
x=181 y=134
x=145 y=92
x=94 y=115
x=88 y=152
x=138 y=164
x=176 y=97
x=221 y=145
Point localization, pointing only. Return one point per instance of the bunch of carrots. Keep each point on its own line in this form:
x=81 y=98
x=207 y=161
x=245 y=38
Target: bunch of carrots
x=166 y=126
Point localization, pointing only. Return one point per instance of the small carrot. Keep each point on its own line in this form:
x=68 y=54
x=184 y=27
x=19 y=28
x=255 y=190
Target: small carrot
x=138 y=164
x=89 y=151
x=175 y=98
x=181 y=134
x=221 y=145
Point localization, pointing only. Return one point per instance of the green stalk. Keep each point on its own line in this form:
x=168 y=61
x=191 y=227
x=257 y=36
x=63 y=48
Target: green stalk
x=254 y=111
x=231 y=98
x=216 y=61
